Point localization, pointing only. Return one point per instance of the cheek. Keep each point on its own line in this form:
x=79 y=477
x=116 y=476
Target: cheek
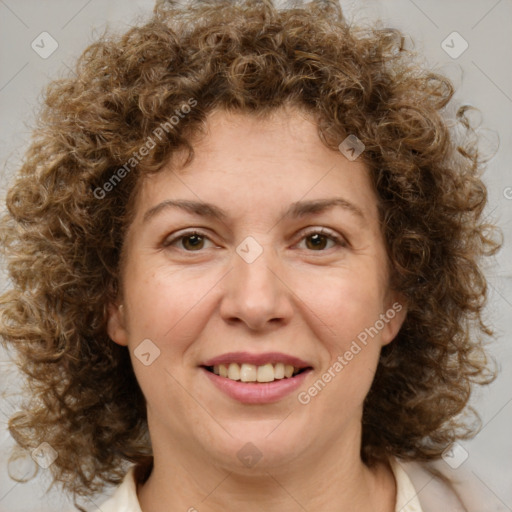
x=345 y=303
x=166 y=304
x=353 y=306
x=166 y=307
x=346 y=313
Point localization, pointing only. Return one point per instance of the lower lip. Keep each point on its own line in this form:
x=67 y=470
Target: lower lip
x=257 y=392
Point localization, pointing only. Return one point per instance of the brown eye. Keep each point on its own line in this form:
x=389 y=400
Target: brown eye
x=191 y=241
x=318 y=239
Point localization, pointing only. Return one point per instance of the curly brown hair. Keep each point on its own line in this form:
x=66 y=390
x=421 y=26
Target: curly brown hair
x=62 y=238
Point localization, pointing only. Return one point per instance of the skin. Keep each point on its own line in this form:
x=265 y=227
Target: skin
x=198 y=299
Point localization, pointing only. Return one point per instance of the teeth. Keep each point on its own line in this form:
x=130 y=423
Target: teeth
x=248 y=373
x=266 y=373
x=252 y=373
x=279 y=371
x=234 y=371
x=288 y=370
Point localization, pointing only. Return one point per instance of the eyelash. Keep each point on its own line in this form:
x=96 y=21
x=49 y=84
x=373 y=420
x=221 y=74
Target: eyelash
x=338 y=240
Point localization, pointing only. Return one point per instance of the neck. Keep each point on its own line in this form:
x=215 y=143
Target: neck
x=186 y=478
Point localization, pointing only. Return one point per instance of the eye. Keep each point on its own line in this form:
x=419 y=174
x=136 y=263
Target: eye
x=192 y=241
x=318 y=238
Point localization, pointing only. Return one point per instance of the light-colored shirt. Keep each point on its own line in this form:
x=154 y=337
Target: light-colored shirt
x=125 y=498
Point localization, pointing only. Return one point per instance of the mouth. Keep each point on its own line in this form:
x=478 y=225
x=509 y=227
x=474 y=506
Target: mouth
x=256 y=385
x=257 y=374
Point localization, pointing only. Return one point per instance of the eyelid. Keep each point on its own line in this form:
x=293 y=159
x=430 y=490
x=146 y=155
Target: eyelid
x=174 y=237
x=338 y=239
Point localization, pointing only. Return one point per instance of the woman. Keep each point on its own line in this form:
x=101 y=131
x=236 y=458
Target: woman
x=245 y=252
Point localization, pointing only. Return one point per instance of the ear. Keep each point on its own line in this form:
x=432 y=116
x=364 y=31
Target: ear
x=393 y=317
x=116 y=324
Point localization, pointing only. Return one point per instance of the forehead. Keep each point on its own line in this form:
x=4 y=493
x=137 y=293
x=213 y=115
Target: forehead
x=244 y=162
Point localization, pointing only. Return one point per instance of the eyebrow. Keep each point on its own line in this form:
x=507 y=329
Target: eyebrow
x=295 y=210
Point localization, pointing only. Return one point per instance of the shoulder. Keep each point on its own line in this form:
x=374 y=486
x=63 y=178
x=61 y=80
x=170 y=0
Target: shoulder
x=439 y=487
x=124 y=498
x=421 y=487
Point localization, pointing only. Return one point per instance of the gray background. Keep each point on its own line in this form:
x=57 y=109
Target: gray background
x=483 y=75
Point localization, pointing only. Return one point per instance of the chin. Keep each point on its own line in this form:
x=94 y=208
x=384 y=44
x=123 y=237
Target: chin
x=256 y=445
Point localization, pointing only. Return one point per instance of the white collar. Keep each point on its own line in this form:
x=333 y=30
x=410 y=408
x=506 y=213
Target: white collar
x=125 y=498
x=406 y=495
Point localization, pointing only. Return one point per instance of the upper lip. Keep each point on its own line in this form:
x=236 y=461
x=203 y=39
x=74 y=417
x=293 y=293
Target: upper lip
x=256 y=359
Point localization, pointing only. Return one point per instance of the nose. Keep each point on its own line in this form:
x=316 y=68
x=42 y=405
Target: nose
x=255 y=291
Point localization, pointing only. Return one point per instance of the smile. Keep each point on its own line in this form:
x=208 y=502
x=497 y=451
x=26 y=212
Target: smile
x=247 y=372
x=255 y=392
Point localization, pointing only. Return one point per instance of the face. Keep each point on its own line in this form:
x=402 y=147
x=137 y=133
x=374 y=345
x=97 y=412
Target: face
x=271 y=273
